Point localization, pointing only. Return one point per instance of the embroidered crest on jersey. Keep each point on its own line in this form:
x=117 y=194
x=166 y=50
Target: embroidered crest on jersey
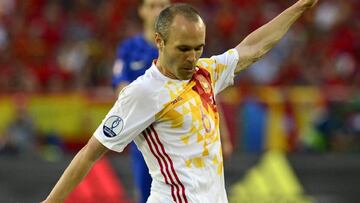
x=204 y=89
x=113 y=126
x=204 y=83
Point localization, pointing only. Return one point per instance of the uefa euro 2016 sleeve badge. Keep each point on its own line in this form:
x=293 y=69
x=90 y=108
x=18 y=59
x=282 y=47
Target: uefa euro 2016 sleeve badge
x=113 y=126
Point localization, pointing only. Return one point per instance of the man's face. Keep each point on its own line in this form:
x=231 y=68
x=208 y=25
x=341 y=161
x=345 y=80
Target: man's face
x=150 y=9
x=183 y=48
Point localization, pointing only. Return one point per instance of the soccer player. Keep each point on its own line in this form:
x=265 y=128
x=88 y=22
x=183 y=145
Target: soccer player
x=134 y=57
x=170 y=111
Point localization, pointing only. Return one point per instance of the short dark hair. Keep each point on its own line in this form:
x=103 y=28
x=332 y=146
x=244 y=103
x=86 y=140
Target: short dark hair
x=166 y=17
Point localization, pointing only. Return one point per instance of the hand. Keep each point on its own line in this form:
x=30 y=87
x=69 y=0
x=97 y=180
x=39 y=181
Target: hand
x=308 y=3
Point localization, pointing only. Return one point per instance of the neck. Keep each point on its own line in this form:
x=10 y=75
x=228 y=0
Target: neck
x=164 y=70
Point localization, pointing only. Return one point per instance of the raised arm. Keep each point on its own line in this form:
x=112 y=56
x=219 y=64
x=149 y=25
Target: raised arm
x=259 y=42
x=77 y=170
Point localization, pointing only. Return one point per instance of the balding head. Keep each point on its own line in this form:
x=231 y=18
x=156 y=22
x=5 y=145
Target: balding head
x=166 y=18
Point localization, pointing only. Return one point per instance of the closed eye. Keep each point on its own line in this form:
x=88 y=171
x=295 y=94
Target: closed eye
x=184 y=49
x=199 y=48
x=189 y=48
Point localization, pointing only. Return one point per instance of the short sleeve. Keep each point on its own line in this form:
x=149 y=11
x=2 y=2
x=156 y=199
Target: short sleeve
x=132 y=113
x=222 y=69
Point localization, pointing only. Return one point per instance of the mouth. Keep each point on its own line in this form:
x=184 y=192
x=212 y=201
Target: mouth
x=189 y=69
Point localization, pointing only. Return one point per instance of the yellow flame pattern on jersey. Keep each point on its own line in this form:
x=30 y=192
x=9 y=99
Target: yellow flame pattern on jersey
x=186 y=104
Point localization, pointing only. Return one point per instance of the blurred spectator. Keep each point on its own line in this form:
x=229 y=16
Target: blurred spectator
x=55 y=40
x=4 y=38
x=6 y=7
x=20 y=136
x=66 y=45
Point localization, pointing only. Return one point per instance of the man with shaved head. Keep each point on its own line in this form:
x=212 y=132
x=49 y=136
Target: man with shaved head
x=170 y=112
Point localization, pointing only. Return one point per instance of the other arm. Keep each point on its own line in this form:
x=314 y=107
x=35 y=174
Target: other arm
x=77 y=170
x=259 y=42
x=227 y=148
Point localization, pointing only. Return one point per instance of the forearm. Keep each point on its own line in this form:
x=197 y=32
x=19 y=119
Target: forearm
x=77 y=170
x=72 y=176
x=226 y=144
x=259 y=42
x=224 y=131
x=272 y=32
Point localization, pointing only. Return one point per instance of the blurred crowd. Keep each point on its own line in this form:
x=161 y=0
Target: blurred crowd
x=69 y=45
x=61 y=45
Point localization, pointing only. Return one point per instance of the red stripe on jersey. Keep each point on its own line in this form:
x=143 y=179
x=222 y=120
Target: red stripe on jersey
x=166 y=165
x=171 y=164
x=147 y=136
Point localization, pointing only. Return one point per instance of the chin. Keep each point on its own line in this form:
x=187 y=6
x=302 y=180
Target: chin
x=186 y=77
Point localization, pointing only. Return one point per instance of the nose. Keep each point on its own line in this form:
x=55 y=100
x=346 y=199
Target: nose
x=192 y=56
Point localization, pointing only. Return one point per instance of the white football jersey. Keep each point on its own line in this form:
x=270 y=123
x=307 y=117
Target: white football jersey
x=175 y=124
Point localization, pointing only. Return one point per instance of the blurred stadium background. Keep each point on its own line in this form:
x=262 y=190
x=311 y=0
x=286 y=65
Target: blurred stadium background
x=294 y=117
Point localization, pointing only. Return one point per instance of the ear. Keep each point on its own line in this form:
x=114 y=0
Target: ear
x=159 y=41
